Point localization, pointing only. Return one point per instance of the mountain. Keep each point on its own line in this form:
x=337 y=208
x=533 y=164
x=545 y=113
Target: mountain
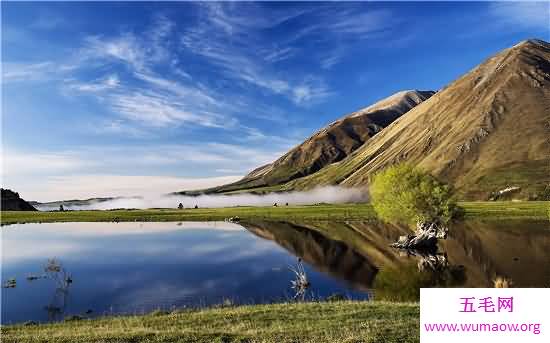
x=483 y=133
x=487 y=134
x=331 y=144
x=12 y=202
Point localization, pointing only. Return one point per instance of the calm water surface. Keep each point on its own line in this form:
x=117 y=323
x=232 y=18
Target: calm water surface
x=140 y=267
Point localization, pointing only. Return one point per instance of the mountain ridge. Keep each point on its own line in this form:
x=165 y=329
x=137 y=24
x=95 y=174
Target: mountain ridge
x=330 y=144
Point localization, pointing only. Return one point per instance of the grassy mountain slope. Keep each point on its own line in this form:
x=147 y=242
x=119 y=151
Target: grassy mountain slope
x=484 y=132
x=330 y=144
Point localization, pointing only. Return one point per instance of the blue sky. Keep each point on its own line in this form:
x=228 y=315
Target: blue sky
x=102 y=99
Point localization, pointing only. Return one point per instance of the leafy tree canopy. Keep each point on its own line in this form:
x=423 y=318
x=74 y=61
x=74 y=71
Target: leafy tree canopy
x=405 y=194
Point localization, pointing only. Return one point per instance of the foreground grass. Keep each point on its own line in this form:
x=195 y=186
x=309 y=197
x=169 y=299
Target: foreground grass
x=473 y=210
x=303 y=322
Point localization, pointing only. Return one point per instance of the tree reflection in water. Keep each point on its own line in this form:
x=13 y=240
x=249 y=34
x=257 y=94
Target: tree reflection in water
x=403 y=283
x=55 y=271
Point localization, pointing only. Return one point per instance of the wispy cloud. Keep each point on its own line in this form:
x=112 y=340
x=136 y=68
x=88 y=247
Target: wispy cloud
x=310 y=91
x=279 y=54
x=329 y=61
x=232 y=60
x=157 y=109
x=33 y=72
x=223 y=39
x=125 y=48
x=108 y=82
x=117 y=127
x=358 y=23
x=153 y=100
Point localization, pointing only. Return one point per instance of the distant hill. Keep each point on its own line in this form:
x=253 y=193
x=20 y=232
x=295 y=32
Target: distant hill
x=484 y=133
x=330 y=144
x=12 y=202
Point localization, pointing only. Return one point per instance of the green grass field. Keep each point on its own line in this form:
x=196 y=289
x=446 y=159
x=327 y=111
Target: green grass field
x=483 y=210
x=507 y=209
x=317 y=322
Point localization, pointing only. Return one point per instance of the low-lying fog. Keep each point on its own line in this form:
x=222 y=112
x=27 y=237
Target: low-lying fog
x=329 y=194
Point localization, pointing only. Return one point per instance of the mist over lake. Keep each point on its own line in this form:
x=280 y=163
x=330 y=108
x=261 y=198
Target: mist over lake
x=329 y=194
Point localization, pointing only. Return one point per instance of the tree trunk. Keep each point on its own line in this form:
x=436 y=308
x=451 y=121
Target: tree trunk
x=425 y=237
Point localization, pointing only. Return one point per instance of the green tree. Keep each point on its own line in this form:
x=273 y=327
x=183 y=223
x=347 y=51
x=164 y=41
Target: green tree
x=405 y=194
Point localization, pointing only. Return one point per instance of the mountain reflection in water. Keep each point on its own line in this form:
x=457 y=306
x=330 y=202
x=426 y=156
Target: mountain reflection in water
x=474 y=255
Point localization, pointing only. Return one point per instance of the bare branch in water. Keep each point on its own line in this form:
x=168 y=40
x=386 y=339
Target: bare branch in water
x=301 y=283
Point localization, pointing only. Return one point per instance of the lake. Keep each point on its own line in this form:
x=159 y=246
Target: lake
x=139 y=267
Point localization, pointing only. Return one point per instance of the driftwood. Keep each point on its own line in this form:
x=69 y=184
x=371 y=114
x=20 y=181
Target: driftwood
x=425 y=238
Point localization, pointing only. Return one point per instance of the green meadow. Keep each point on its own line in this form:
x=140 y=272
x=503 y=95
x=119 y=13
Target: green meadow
x=472 y=210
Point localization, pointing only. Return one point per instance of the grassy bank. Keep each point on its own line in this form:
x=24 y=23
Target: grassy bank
x=473 y=210
x=506 y=209
x=302 y=322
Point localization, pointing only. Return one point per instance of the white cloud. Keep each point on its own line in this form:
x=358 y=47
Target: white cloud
x=107 y=83
x=40 y=71
x=310 y=91
x=125 y=48
x=178 y=89
x=153 y=109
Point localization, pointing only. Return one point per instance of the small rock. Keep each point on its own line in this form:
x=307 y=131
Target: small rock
x=235 y=219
